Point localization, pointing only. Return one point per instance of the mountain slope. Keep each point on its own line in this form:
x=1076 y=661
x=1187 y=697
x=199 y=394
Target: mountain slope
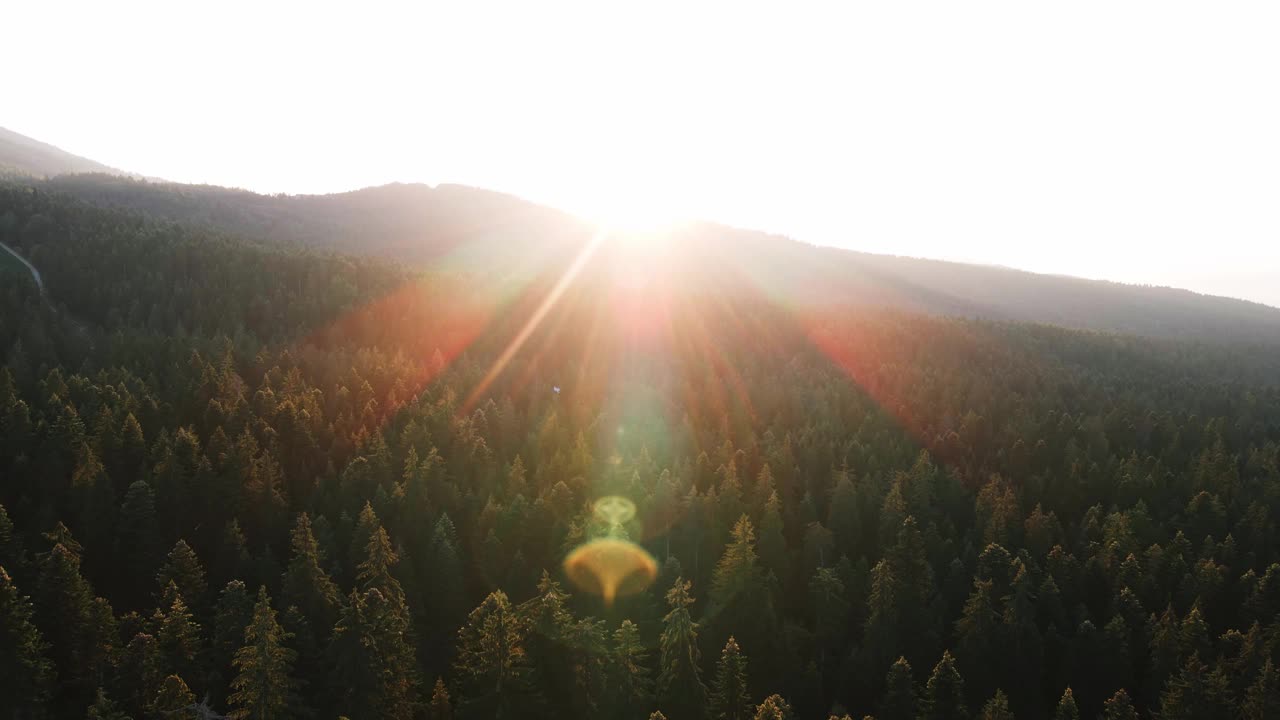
x=22 y=155
x=485 y=231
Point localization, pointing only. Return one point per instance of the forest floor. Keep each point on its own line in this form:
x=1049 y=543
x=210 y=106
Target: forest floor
x=10 y=255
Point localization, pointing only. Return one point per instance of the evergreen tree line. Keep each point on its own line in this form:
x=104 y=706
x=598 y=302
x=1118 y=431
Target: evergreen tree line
x=284 y=484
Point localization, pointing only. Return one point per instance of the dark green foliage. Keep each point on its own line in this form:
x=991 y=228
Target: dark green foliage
x=681 y=692
x=900 y=701
x=944 y=697
x=853 y=492
x=65 y=612
x=173 y=698
x=263 y=687
x=184 y=570
x=1119 y=707
x=492 y=664
x=104 y=709
x=997 y=708
x=26 y=676
x=306 y=583
x=774 y=707
x=375 y=673
x=629 y=688
x=1067 y=709
x=729 y=699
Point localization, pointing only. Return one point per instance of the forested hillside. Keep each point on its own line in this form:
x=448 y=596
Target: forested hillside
x=294 y=484
x=477 y=230
x=24 y=156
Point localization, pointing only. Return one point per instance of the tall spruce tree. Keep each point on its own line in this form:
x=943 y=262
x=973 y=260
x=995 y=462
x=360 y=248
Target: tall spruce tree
x=1262 y=698
x=730 y=699
x=681 y=693
x=629 y=686
x=263 y=686
x=492 y=665
x=944 y=697
x=26 y=675
x=184 y=570
x=1067 y=709
x=306 y=584
x=900 y=701
x=997 y=708
x=1120 y=707
x=774 y=707
x=375 y=673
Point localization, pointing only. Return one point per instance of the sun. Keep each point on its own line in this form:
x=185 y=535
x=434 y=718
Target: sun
x=629 y=207
x=635 y=221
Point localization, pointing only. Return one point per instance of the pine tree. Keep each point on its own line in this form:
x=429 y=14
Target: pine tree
x=680 y=688
x=1262 y=698
x=742 y=604
x=93 y=498
x=26 y=675
x=104 y=709
x=900 y=701
x=375 y=571
x=492 y=666
x=440 y=707
x=1021 y=657
x=629 y=685
x=880 y=632
x=177 y=633
x=232 y=561
x=366 y=524
x=1120 y=707
x=445 y=607
x=830 y=613
x=944 y=693
x=1196 y=692
x=977 y=634
x=772 y=542
x=183 y=569
x=774 y=708
x=263 y=687
x=234 y=610
x=306 y=584
x=12 y=555
x=1067 y=709
x=547 y=647
x=730 y=699
x=1164 y=653
x=66 y=614
x=375 y=671
x=918 y=623
x=138 y=546
x=139 y=673
x=174 y=696
x=997 y=708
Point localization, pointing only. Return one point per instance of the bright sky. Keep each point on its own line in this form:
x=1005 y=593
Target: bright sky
x=1135 y=141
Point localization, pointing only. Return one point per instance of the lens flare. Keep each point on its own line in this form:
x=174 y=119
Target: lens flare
x=611 y=568
x=615 y=510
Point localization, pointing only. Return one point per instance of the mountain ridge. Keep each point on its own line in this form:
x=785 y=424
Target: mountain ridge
x=25 y=155
x=459 y=226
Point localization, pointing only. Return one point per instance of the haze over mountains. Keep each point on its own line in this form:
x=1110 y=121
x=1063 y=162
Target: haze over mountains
x=23 y=155
x=488 y=232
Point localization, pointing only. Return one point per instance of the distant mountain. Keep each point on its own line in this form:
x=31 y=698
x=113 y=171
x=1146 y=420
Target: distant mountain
x=458 y=227
x=21 y=155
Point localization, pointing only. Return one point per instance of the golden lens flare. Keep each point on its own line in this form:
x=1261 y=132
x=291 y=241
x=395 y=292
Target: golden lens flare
x=611 y=568
x=615 y=510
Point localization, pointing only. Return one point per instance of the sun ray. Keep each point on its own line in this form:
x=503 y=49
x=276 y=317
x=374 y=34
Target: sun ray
x=548 y=302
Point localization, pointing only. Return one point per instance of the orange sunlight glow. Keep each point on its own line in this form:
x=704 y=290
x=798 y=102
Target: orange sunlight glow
x=548 y=302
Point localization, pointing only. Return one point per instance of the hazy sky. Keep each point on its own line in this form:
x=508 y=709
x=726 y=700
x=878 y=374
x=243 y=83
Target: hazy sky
x=1136 y=141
